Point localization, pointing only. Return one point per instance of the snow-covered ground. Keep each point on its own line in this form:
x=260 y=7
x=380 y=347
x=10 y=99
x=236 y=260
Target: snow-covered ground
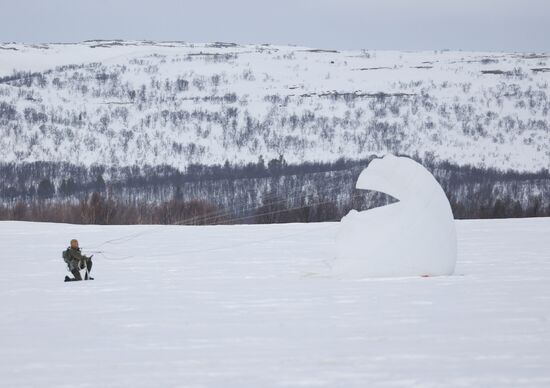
x=258 y=306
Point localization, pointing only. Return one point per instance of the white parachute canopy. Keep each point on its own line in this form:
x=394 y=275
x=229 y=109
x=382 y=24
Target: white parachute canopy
x=415 y=236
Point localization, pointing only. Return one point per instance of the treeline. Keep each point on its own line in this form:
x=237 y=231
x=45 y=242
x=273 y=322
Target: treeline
x=499 y=208
x=55 y=180
x=259 y=192
x=59 y=181
x=104 y=211
x=98 y=209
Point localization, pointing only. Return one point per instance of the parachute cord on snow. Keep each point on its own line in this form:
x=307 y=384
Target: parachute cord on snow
x=245 y=243
x=222 y=213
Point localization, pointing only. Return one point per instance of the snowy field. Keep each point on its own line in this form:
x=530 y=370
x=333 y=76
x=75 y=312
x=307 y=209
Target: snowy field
x=258 y=306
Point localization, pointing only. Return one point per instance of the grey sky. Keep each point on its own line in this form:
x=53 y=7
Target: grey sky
x=506 y=25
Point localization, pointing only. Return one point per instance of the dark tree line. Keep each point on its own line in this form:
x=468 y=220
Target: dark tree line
x=254 y=193
x=101 y=210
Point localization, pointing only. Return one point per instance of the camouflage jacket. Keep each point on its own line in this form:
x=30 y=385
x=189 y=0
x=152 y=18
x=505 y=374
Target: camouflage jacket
x=73 y=257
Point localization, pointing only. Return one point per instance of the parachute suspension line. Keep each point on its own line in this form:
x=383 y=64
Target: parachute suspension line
x=220 y=213
x=294 y=194
x=215 y=214
x=248 y=209
x=218 y=248
x=225 y=222
x=102 y=253
x=244 y=243
x=281 y=211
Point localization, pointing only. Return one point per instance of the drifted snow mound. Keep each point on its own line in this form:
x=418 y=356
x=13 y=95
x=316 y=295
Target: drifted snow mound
x=413 y=237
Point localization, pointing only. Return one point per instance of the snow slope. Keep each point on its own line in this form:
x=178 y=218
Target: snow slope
x=257 y=306
x=124 y=103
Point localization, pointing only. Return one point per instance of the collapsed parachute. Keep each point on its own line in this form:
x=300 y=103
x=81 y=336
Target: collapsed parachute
x=415 y=236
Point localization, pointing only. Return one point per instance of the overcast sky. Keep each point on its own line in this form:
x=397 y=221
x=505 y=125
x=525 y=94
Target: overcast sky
x=503 y=25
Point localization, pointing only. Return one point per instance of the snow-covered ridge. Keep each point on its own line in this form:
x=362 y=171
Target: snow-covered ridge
x=137 y=102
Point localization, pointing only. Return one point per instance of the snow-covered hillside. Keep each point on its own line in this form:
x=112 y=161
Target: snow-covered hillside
x=258 y=306
x=124 y=103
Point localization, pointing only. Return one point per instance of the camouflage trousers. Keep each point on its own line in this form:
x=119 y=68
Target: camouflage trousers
x=76 y=273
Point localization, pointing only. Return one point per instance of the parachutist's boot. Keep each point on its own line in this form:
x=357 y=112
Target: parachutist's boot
x=76 y=275
x=89 y=265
